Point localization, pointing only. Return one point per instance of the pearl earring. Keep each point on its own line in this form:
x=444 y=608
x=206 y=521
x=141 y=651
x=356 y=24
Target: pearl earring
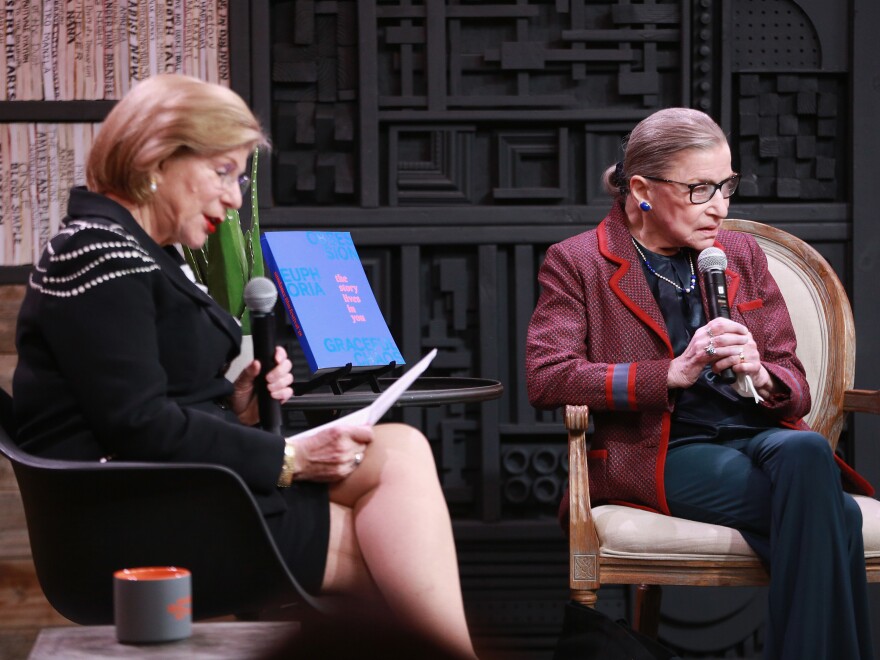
x=153 y=185
x=645 y=206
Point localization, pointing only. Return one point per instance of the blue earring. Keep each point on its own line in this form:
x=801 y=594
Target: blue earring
x=645 y=206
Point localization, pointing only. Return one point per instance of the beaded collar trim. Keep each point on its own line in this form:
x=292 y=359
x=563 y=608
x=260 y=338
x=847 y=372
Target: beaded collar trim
x=65 y=273
x=678 y=288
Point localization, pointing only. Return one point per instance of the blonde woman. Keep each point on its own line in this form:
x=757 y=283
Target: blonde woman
x=122 y=357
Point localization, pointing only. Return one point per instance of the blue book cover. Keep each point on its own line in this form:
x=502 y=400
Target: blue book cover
x=323 y=287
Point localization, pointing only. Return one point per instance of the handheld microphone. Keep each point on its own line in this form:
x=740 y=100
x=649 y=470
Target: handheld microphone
x=259 y=297
x=711 y=263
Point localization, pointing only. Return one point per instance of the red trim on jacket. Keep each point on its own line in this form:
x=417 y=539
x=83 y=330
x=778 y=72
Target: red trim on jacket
x=856 y=482
x=615 y=287
x=609 y=386
x=758 y=303
x=660 y=466
x=631 y=386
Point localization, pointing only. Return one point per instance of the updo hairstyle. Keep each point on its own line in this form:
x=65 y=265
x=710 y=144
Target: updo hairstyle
x=655 y=142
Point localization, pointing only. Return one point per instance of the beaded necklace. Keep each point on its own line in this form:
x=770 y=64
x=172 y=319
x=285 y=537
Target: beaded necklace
x=678 y=288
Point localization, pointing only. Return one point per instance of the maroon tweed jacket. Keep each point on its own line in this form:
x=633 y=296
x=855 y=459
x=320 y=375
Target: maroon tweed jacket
x=597 y=337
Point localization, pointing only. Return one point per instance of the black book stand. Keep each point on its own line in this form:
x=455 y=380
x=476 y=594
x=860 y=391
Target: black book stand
x=342 y=380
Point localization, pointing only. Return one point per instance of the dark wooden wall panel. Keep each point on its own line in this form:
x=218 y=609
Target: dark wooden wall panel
x=457 y=139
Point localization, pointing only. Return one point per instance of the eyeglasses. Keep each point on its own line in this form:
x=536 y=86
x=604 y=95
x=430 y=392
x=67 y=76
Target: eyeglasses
x=702 y=192
x=243 y=181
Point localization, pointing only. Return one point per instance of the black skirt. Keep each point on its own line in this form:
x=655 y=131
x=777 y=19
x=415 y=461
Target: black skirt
x=302 y=532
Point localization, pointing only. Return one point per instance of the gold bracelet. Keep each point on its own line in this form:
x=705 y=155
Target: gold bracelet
x=287 y=467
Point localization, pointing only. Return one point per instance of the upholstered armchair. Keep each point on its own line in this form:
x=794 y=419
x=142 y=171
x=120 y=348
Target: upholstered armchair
x=612 y=544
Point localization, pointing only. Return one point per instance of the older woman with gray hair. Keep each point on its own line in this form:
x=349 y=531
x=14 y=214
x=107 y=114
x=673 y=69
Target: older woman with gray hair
x=623 y=325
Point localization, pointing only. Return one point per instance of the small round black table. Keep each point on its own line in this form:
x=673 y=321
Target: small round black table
x=320 y=406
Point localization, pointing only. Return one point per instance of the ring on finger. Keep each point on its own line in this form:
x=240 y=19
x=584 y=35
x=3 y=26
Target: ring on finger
x=709 y=332
x=358 y=458
x=742 y=357
x=710 y=348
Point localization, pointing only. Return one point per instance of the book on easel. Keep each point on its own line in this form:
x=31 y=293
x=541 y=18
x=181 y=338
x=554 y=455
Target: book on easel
x=325 y=291
x=371 y=414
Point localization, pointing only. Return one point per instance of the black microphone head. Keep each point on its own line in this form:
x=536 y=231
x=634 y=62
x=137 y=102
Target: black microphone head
x=710 y=259
x=260 y=295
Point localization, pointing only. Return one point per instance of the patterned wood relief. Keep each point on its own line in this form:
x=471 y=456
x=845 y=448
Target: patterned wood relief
x=445 y=56
x=457 y=139
x=533 y=479
x=585 y=567
x=314 y=62
x=706 y=49
x=430 y=165
x=791 y=136
x=775 y=34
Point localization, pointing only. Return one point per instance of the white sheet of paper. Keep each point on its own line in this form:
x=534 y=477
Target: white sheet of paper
x=373 y=413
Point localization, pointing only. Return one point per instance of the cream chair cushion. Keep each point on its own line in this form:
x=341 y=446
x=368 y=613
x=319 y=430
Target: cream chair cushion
x=625 y=532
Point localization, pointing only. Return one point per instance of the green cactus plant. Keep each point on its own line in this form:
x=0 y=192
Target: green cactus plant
x=231 y=257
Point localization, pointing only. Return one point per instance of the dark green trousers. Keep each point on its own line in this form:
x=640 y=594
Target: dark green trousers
x=782 y=490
